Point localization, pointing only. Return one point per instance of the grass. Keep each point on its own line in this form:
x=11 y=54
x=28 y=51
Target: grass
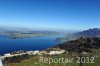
x=35 y=61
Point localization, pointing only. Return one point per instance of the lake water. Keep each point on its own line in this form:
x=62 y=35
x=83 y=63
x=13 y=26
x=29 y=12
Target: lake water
x=36 y=43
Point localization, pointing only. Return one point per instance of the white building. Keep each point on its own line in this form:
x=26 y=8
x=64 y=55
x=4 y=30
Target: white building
x=56 y=52
x=35 y=52
x=42 y=53
x=7 y=55
x=29 y=52
x=32 y=52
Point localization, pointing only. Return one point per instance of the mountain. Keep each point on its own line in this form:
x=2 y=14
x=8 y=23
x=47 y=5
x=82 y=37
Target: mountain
x=94 y=33
x=83 y=44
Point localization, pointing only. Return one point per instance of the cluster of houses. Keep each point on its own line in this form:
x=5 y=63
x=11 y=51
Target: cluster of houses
x=37 y=52
x=45 y=52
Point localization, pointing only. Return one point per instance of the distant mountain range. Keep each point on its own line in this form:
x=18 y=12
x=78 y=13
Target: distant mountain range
x=93 y=33
x=81 y=41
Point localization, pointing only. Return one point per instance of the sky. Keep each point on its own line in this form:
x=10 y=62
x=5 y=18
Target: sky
x=50 y=14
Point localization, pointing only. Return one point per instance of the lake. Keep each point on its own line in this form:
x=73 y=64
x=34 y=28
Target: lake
x=36 y=43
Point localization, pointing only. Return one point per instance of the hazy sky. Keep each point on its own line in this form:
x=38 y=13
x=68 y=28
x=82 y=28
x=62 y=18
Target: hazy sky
x=50 y=14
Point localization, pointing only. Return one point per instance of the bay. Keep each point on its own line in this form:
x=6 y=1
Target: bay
x=36 y=43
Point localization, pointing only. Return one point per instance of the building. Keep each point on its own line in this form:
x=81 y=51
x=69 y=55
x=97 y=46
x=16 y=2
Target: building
x=56 y=52
x=7 y=55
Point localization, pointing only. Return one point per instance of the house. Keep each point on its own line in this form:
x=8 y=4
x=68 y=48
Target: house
x=42 y=53
x=7 y=55
x=32 y=52
x=56 y=52
x=29 y=52
x=35 y=52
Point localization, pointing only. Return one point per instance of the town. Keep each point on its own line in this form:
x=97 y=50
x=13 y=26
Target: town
x=36 y=52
